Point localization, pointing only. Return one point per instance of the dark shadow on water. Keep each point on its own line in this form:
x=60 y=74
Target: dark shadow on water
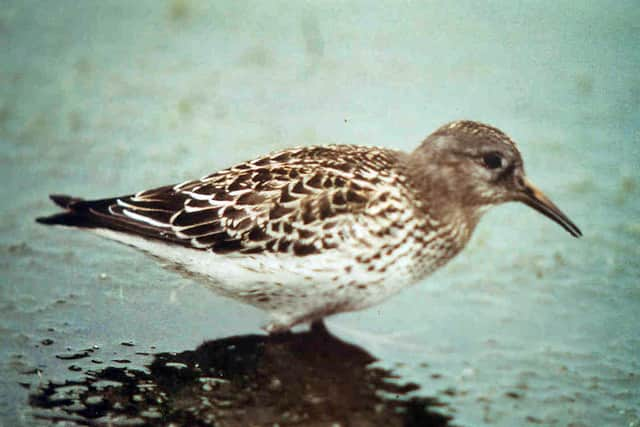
x=307 y=379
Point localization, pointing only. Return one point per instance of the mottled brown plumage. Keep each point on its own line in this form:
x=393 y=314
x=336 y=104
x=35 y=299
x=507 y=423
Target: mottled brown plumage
x=359 y=223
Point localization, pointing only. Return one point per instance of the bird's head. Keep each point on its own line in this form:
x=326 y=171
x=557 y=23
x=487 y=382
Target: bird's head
x=472 y=166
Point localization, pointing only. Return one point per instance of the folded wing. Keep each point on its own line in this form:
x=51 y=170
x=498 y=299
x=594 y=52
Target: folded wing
x=293 y=201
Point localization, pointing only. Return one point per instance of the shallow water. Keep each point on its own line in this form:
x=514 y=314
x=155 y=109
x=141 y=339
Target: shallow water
x=527 y=326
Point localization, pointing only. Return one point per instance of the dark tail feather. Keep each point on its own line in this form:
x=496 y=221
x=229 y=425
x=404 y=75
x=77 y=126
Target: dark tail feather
x=106 y=213
x=75 y=215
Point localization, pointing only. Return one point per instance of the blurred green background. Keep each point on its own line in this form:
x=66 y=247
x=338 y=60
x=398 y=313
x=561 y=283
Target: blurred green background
x=101 y=98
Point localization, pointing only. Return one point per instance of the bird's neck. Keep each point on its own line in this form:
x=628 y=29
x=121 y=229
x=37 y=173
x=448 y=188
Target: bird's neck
x=444 y=196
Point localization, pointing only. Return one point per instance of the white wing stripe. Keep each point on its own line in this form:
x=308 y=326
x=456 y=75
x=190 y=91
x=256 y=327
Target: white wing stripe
x=197 y=196
x=145 y=219
x=137 y=208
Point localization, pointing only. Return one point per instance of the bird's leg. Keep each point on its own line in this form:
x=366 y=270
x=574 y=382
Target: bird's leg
x=318 y=327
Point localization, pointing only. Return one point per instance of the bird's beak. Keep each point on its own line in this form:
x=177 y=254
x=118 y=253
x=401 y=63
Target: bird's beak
x=530 y=195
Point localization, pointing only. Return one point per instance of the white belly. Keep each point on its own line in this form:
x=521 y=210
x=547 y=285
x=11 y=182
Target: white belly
x=292 y=289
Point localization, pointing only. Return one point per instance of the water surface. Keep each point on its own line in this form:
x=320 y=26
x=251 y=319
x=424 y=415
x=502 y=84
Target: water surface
x=527 y=326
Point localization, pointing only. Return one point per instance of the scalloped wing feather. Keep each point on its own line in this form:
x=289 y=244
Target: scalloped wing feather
x=300 y=201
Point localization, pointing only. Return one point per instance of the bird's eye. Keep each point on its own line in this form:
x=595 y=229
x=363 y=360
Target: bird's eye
x=492 y=161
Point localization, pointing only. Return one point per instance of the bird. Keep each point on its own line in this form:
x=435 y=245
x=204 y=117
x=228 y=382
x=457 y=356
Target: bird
x=309 y=232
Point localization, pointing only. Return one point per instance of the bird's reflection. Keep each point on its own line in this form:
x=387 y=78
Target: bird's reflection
x=309 y=378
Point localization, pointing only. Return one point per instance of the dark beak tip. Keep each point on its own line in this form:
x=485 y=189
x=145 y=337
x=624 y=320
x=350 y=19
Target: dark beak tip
x=569 y=226
x=535 y=199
